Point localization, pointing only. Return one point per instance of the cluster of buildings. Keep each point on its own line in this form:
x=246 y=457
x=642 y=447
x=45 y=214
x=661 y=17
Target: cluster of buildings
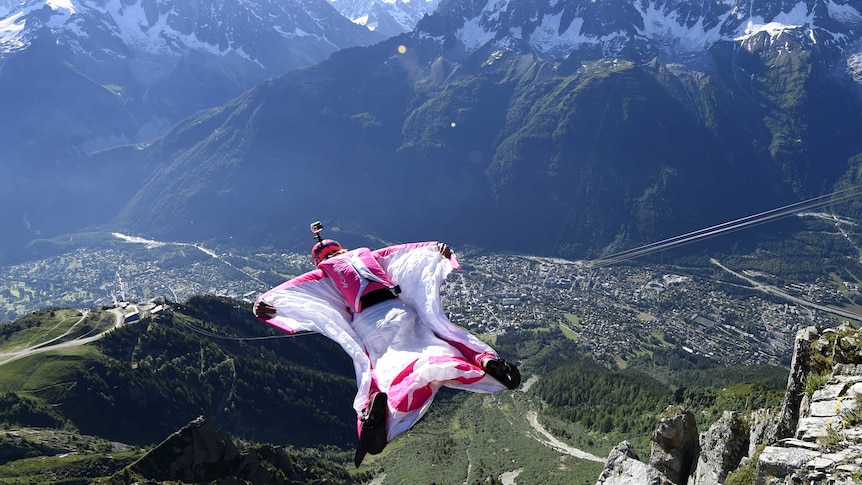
x=613 y=312
x=621 y=312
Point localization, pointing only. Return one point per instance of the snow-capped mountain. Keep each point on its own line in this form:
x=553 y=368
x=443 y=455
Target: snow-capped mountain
x=613 y=123
x=251 y=30
x=640 y=28
x=652 y=104
x=155 y=53
x=388 y=17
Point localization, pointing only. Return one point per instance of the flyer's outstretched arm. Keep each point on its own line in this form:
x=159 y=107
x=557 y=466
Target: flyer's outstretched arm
x=310 y=303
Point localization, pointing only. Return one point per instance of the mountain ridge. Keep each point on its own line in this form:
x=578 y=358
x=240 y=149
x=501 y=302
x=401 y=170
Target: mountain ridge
x=473 y=104
x=528 y=154
x=152 y=55
x=387 y=17
x=143 y=369
x=641 y=29
x=80 y=76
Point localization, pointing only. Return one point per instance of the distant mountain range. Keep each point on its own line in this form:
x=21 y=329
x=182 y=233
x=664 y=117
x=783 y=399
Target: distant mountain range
x=80 y=75
x=157 y=60
x=387 y=17
x=482 y=131
x=566 y=128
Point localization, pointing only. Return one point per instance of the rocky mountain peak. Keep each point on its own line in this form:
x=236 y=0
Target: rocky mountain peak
x=387 y=17
x=197 y=453
x=674 y=445
x=624 y=466
x=125 y=29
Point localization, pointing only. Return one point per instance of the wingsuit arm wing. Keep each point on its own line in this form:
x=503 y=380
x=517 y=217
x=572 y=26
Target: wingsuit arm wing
x=420 y=270
x=310 y=303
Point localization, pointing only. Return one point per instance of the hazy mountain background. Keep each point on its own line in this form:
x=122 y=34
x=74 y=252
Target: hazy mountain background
x=597 y=125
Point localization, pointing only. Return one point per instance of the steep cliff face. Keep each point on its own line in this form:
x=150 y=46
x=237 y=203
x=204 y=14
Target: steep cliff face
x=814 y=438
x=826 y=441
x=723 y=446
x=674 y=445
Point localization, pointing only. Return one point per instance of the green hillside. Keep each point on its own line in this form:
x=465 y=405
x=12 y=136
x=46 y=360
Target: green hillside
x=95 y=409
x=145 y=380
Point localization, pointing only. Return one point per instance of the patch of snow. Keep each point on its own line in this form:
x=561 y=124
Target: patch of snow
x=843 y=13
x=11 y=29
x=361 y=20
x=854 y=66
x=658 y=24
x=546 y=36
x=797 y=17
x=473 y=34
x=61 y=4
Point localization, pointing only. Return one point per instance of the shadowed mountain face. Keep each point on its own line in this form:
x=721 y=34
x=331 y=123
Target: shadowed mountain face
x=565 y=128
x=505 y=149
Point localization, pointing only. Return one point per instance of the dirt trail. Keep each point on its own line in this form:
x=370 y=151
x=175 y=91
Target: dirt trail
x=552 y=442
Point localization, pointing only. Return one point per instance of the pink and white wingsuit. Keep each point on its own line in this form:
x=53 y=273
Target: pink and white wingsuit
x=405 y=347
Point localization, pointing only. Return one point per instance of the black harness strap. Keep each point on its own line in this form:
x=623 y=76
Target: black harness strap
x=374 y=297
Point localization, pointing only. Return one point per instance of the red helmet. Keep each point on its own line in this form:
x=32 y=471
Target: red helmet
x=323 y=249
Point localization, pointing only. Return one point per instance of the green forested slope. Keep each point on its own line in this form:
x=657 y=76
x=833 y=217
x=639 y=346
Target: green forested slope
x=143 y=381
x=149 y=378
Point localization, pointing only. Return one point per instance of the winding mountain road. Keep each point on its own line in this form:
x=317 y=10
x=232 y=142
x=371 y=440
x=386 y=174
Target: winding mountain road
x=546 y=438
x=48 y=345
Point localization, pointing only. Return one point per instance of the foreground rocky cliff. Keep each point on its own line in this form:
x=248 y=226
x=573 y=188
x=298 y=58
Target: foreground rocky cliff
x=198 y=454
x=814 y=438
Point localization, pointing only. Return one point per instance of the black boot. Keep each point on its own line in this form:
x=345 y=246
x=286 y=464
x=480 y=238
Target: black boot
x=372 y=436
x=504 y=372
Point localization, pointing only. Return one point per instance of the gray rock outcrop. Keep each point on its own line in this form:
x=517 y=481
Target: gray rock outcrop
x=759 y=423
x=625 y=468
x=825 y=446
x=197 y=454
x=675 y=445
x=723 y=446
x=673 y=452
x=800 y=368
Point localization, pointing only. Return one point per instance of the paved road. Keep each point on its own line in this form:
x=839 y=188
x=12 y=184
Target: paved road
x=776 y=292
